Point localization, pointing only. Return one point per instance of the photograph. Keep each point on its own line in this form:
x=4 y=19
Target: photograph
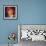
x=10 y=12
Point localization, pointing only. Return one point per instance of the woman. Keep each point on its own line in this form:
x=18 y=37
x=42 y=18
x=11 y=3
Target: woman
x=10 y=12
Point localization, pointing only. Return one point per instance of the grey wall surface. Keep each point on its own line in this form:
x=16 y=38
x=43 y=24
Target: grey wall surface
x=30 y=43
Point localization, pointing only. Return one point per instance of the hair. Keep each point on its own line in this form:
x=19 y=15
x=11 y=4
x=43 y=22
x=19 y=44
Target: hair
x=6 y=11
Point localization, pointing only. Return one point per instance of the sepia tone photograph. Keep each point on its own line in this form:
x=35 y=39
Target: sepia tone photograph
x=10 y=12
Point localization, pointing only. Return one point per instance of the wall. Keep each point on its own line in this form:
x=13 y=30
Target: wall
x=29 y=12
x=7 y=26
x=33 y=12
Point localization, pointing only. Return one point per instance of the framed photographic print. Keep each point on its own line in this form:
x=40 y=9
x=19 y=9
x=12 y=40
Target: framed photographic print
x=10 y=12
